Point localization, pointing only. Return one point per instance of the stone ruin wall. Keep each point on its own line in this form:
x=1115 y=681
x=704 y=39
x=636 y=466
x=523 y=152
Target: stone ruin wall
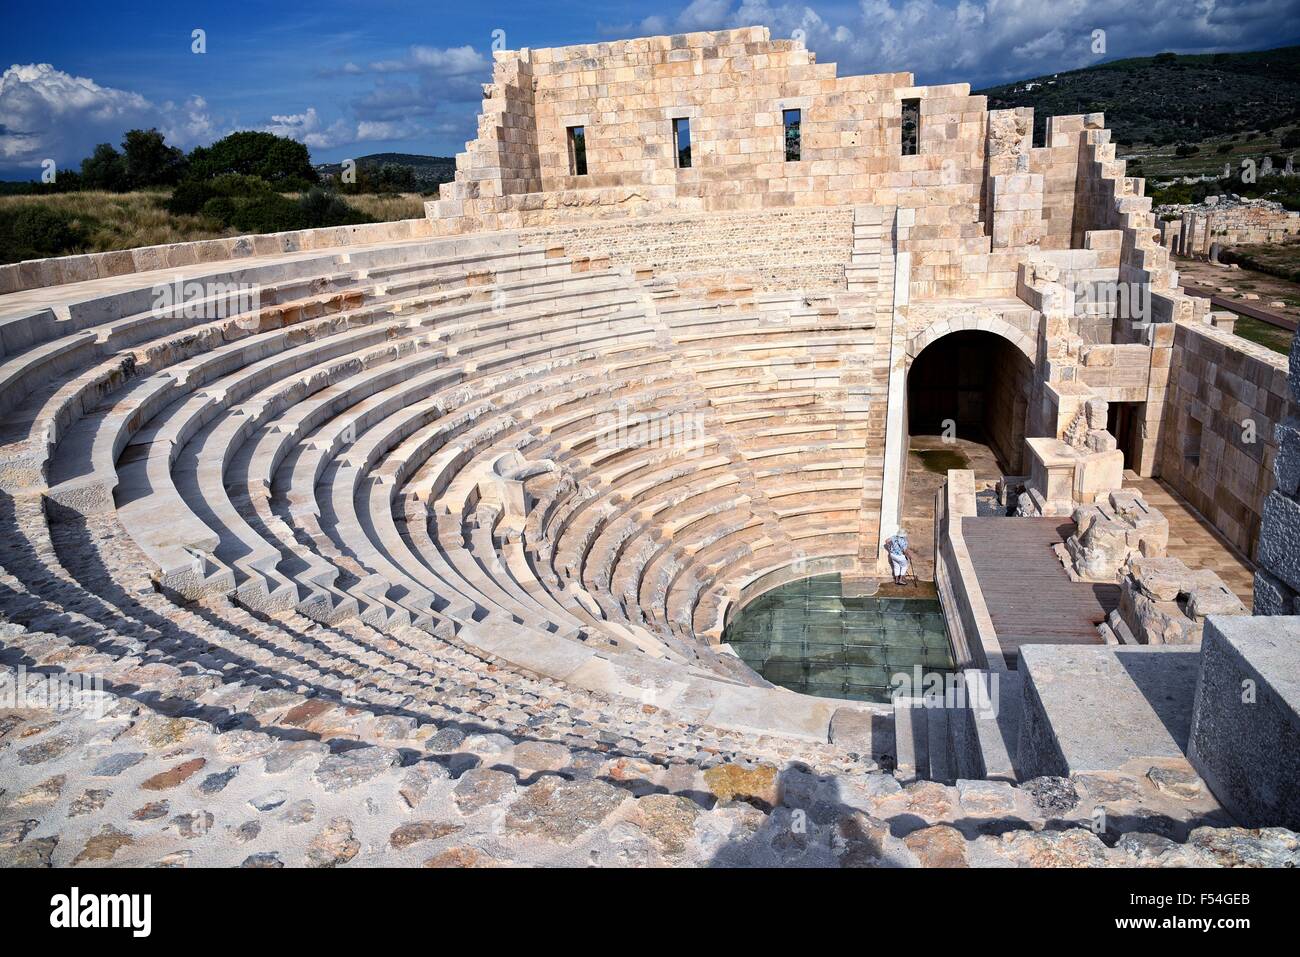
x=1197 y=228
x=765 y=249
x=980 y=192
x=1277 y=579
x=1219 y=382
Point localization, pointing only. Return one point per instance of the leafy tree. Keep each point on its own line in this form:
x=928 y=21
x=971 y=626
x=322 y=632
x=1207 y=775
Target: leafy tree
x=282 y=162
x=150 y=161
x=104 y=169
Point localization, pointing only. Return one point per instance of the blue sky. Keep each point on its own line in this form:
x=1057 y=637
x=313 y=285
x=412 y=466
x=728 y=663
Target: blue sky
x=364 y=76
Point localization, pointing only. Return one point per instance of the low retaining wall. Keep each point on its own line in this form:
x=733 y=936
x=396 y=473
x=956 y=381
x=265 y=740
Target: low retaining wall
x=38 y=273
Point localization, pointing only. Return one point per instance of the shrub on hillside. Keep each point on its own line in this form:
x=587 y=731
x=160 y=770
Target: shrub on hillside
x=284 y=163
x=250 y=205
x=220 y=209
x=35 y=232
x=149 y=161
x=105 y=169
x=320 y=208
x=192 y=193
x=271 y=213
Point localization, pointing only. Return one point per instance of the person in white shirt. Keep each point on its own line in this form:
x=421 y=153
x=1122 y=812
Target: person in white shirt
x=900 y=555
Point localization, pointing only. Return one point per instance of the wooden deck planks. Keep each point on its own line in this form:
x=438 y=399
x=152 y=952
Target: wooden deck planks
x=1029 y=595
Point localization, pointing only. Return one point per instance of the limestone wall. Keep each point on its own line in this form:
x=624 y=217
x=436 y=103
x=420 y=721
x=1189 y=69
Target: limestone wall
x=38 y=273
x=733 y=87
x=1223 y=391
x=975 y=197
x=1277 y=580
x=1233 y=224
x=773 y=249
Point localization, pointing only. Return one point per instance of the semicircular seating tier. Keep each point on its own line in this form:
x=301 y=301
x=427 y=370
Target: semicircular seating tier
x=395 y=471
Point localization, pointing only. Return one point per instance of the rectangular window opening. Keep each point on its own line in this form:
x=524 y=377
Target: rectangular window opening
x=1192 y=443
x=682 y=142
x=577 y=136
x=911 y=127
x=792 y=120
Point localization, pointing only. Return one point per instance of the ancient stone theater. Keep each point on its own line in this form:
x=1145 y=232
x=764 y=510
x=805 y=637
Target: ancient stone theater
x=554 y=527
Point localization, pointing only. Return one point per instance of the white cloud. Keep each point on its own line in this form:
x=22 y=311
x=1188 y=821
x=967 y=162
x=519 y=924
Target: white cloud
x=991 y=41
x=705 y=14
x=1051 y=42
x=48 y=114
x=452 y=61
x=309 y=129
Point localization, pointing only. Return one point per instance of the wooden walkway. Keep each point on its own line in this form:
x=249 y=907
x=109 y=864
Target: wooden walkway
x=1030 y=598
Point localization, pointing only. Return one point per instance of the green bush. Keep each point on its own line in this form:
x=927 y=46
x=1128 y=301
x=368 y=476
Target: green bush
x=237 y=184
x=271 y=213
x=35 y=232
x=192 y=194
x=251 y=205
x=219 y=208
x=282 y=162
x=189 y=197
x=320 y=208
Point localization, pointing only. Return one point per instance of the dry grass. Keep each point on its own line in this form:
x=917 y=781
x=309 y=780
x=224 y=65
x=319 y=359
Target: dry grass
x=123 y=220
x=128 y=220
x=387 y=207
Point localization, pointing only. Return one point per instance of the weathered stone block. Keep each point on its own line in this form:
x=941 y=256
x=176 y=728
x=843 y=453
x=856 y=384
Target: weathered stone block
x=1272 y=597
x=1164 y=602
x=1278 y=536
x=1286 y=466
x=1098 y=708
x=1245 y=733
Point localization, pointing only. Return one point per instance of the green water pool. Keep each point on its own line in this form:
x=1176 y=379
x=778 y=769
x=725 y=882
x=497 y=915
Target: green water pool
x=806 y=636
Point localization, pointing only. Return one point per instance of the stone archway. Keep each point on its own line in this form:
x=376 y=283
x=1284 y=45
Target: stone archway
x=995 y=325
x=976 y=381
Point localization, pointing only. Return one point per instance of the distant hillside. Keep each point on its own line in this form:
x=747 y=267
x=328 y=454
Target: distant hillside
x=429 y=171
x=1169 y=98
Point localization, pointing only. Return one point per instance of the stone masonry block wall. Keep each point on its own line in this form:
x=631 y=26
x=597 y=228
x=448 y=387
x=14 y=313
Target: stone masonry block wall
x=1237 y=224
x=777 y=249
x=978 y=195
x=733 y=87
x=1118 y=372
x=39 y=273
x=1277 y=579
x=1219 y=385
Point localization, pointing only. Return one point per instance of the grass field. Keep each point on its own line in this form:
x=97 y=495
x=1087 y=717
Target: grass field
x=127 y=220
x=122 y=220
x=1263 y=333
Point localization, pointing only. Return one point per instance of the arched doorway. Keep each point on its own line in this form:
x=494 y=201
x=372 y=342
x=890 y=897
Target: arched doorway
x=973 y=385
x=967 y=400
